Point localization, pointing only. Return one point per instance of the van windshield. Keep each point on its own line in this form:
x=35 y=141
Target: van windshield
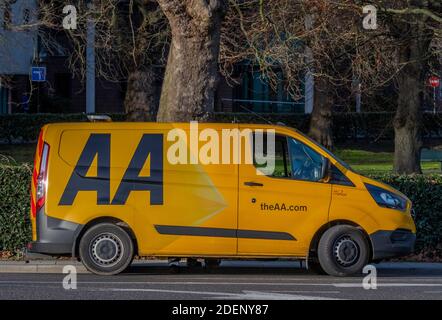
x=341 y=162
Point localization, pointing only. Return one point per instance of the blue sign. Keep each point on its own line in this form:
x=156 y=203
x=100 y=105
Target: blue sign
x=38 y=74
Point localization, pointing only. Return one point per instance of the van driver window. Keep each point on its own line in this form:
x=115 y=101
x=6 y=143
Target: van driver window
x=306 y=163
x=293 y=159
x=281 y=158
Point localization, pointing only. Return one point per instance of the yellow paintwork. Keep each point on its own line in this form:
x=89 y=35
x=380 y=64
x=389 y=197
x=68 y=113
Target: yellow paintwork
x=209 y=196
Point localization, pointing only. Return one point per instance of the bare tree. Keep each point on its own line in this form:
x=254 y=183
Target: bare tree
x=131 y=45
x=278 y=37
x=192 y=67
x=416 y=28
x=322 y=37
x=148 y=34
x=132 y=39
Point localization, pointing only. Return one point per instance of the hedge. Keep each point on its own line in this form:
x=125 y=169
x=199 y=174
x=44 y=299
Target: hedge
x=424 y=191
x=15 y=229
x=426 y=194
x=17 y=128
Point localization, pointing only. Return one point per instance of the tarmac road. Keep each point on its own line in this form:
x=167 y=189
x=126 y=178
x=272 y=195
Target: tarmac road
x=232 y=280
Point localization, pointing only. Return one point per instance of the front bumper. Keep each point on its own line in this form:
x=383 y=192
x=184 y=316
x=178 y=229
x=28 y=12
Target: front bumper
x=388 y=244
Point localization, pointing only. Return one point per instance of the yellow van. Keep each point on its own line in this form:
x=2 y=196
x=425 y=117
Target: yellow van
x=105 y=192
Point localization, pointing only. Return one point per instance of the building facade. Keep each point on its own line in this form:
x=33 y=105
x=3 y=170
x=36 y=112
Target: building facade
x=61 y=90
x=18 y=43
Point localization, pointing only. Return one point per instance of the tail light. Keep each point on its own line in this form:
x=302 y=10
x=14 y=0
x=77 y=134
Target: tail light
x=39 y=177
x=42 y=178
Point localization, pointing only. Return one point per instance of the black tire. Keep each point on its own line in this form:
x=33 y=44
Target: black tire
x=343 y=250
x=212 y=263
x=315 y=267
x=193 y=263
x=106 y=249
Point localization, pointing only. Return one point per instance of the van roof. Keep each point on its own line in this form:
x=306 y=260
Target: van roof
x=159 y=125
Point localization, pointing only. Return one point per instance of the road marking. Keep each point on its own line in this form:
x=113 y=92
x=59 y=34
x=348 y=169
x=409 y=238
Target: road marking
x=245 y=294
x=306 y=291
x=174 y=283
x=355 y=285
x=258 y=295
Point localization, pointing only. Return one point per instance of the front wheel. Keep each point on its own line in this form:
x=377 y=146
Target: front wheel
x=343 y=250
x=106 y=249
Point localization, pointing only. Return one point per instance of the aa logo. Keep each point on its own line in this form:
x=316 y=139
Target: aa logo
x=99 y=146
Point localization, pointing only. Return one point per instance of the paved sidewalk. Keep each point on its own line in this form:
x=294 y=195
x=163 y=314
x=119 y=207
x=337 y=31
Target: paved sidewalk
x=57 y=265
x=39 y=266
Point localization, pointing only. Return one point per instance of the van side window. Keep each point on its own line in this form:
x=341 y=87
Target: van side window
x=282 y=161
x=306 y=163
x=337 y=177
x=293 y=159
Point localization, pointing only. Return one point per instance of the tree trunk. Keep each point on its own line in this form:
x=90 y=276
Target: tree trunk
x=321 y=119
x=407 y=125
x=188 y=91
x=142 y=95
x=411 y=85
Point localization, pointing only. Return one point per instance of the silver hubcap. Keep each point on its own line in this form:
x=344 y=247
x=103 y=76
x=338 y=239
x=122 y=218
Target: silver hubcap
x=106 y=249
x=346 y=251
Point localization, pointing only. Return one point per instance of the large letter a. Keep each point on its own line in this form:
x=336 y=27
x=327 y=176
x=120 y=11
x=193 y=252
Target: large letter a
x=150 y=145
x=97 y=145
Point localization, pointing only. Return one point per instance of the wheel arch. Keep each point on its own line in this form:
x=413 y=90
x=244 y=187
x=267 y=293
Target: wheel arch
x=312 y=253
x=79 y=234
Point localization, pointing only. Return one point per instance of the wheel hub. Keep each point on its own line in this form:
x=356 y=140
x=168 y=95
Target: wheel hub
x=346 y=251
x=106 y=249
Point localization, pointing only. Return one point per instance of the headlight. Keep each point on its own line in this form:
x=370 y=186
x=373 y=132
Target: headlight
x=387 y=199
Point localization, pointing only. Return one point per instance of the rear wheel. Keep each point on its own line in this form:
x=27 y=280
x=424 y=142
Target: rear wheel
x=106 y=249
x=343 y=250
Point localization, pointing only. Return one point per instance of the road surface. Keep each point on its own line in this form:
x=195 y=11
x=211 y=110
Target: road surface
x=232 y=280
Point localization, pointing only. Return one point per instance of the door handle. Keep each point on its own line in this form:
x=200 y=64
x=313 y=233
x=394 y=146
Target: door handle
x=253 y=184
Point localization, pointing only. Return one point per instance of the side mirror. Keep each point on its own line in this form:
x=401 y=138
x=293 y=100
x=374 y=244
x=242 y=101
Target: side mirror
x=325 y=170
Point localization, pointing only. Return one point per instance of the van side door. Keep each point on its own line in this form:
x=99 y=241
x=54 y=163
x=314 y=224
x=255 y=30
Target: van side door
x=280 y=212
